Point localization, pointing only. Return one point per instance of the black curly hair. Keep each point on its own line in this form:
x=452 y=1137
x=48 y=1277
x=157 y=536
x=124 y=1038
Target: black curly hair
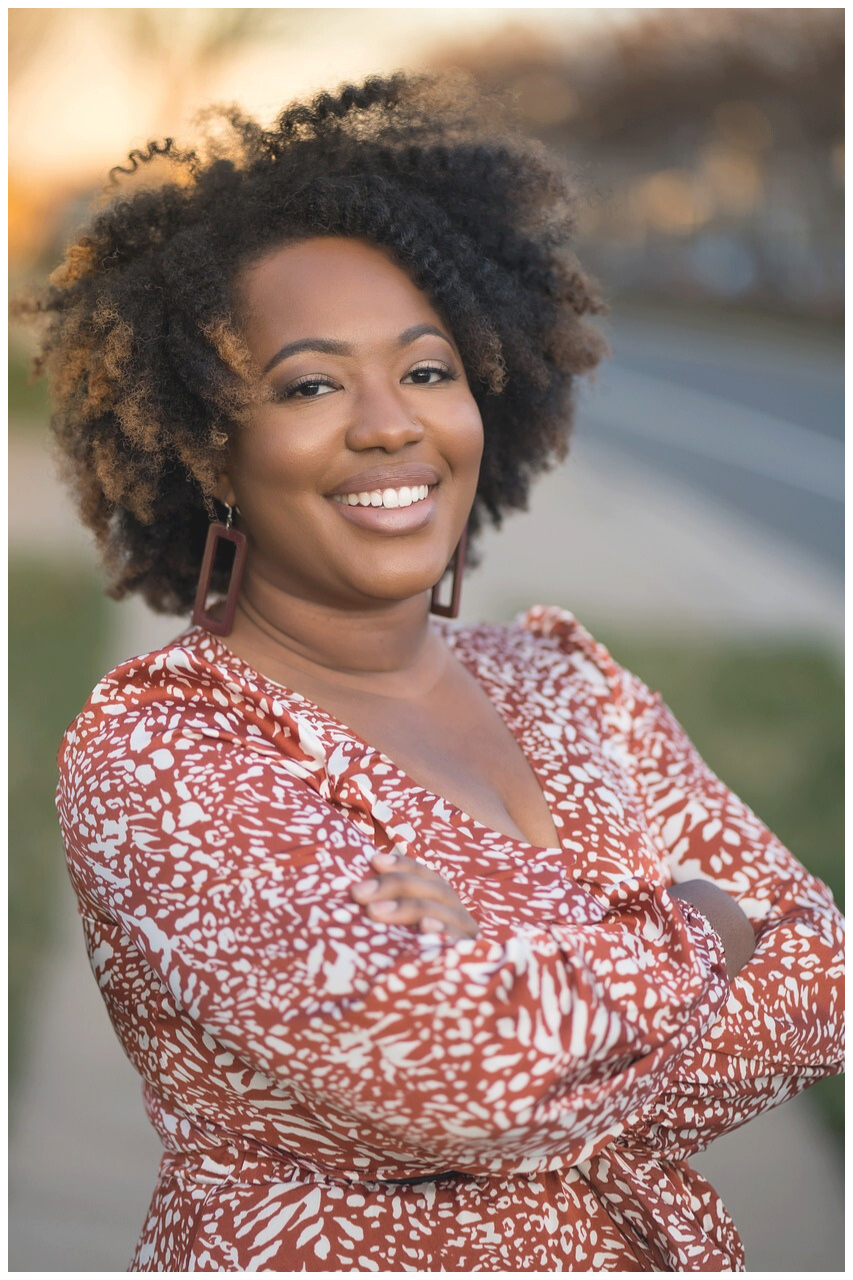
x=149 y=374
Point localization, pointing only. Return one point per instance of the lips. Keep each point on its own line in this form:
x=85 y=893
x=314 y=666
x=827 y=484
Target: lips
x=386 y=507
x=378 y=479
x=388 y=500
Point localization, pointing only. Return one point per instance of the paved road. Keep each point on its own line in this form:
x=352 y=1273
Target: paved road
x=750 y=416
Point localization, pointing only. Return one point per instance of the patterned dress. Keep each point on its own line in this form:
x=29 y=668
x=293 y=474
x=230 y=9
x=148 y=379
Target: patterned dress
x=334 y=1093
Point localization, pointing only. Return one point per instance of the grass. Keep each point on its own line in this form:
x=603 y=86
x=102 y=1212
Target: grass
x=770 y=722
x=57 y=624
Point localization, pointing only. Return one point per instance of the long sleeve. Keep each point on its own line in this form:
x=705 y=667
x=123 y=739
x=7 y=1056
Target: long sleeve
x=782 y=1026
x=220 y=857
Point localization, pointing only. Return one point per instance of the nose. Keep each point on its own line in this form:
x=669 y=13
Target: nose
x=383 y=420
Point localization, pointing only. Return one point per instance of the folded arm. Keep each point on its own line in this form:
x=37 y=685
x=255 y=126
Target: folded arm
x=523 y=1047
x=782 y=1026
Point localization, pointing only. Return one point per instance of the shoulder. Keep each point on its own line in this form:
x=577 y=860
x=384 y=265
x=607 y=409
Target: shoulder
x=543 y=641
x=551 y=662
x=181 y=672
x=190 y=688
x=179 y=737
x=558 y=631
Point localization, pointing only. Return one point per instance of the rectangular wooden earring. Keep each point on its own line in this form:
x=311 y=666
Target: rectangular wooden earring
x=217 y=533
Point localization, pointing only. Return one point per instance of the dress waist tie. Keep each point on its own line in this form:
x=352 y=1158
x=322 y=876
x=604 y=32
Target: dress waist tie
x=252 y=1167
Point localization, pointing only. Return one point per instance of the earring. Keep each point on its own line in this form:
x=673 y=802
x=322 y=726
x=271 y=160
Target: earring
x=216 y=533
x=456 y=567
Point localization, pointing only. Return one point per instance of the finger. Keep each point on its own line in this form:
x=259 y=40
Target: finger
x=405 y=883
x=412 y=911
x=365 y=889
x=384 y=887
x=397 y=862
x=405 y=888
x=385 y=861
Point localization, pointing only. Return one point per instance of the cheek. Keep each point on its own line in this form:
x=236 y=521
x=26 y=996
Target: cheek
x=468 y=437
x=273 y=453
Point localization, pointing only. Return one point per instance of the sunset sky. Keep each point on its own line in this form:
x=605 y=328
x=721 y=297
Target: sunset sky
x=83 y=88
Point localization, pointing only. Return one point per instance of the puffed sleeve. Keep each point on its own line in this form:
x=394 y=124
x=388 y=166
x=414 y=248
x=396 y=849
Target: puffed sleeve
x=782 y=1025
x=218 y=854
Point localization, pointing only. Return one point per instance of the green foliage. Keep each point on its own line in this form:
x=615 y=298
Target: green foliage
x=57 y=622
x=28 y=402
x=770 y=722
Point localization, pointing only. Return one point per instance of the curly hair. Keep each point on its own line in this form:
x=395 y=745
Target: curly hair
x=148 y=371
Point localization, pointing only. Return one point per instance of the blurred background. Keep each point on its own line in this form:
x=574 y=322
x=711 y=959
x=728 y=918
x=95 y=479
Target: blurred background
x=696 y=528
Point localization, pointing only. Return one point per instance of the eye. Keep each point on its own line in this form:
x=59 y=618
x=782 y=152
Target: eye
x=429 y=373
x=308 y=388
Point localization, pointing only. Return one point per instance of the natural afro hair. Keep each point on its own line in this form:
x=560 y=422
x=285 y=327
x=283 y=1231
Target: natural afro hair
x=150 y=377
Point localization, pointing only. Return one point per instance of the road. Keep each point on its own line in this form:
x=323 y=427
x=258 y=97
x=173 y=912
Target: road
x=750 y=415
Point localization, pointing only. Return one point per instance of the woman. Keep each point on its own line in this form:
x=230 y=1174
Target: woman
x=436 y=947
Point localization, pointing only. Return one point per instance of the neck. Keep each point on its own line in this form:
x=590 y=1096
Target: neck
x=388 y=649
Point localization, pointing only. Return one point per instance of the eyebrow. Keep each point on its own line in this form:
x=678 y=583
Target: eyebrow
x=329 y=347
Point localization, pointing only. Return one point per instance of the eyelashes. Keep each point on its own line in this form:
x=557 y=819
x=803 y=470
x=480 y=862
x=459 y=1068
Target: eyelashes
x=429 y=367
x=307 y=388
x=313 y=386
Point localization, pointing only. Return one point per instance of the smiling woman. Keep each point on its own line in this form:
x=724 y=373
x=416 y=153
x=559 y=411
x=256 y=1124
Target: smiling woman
x=436 y=947
x=151 y=375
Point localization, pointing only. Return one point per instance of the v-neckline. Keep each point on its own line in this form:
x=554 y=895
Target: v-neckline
x=449 y=634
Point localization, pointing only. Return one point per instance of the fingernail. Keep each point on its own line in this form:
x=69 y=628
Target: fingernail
x=385 y=907
x=366 y=888
x=385 y=859
x=430 y=925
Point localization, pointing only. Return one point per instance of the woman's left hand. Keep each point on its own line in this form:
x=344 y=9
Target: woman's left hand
x=404 y=891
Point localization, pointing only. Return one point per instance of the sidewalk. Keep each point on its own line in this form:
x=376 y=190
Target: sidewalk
x=615 y=545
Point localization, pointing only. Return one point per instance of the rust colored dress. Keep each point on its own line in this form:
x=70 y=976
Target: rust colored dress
x=339 y=1094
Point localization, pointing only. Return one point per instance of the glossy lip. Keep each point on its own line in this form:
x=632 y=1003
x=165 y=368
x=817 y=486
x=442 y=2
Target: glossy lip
x=387 y=478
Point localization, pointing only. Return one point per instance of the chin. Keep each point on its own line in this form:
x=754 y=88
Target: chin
x=396 y=591
x=398 y=595
x=402 y=582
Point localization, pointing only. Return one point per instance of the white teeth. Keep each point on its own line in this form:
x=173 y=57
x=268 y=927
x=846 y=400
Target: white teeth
x=388 y=498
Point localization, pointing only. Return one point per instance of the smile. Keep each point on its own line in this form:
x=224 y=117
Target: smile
x=390 y=499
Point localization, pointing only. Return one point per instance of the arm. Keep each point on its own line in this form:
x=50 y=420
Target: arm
x=231 y=877
x=782 y=1026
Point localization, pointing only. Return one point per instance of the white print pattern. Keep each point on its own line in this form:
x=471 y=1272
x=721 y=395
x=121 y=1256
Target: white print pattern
x=558 y=1070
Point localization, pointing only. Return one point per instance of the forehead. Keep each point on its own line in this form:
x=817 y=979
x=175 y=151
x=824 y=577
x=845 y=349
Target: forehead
x=328 y=281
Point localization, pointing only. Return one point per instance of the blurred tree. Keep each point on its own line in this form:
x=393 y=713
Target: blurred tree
x=174 y=53
x=177 y=51
x=182 y=48
x=715 y=136
x=634 y=83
